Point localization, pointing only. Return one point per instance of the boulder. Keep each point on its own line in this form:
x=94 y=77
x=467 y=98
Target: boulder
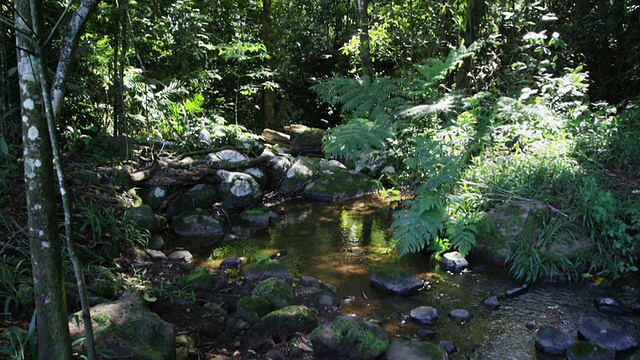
x=144 y=217
x=553 y=341
x=349 y=337
x=414 y=350
x=339 y=184
x=258 y=271
x=453 y=261
x=460 y=316
x=425 y=314
x=605 y=333
x=253 y=308
x=201 y=196
x=128 y=329
x=277 y=291
x=259 y=175
x=396 y=281
x=238 y=190
x=298 y=175
x=197 y=223
x=305 y=140
x=281 y=324
x=276 y=168
x=227 y=155
x=154 y=196
x=183 y=256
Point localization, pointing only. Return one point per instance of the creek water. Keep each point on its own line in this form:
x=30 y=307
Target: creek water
x=341 y=243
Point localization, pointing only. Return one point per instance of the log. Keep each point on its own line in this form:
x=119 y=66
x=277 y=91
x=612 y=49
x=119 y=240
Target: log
x=276 y=137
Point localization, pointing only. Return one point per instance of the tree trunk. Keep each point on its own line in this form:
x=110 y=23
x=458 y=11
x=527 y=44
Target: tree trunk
x=268 y=94
x=365 y=49
x=44 y=238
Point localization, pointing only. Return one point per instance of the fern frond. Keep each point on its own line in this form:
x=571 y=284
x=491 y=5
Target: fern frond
x=419 y=225
x=462 y=234
x=358 y=135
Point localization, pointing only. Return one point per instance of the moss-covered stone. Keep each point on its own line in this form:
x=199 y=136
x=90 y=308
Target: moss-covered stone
x=350 y=336
x=396 y=280
x=253 y=308
x=283 y=323
x=278 y=292
x=587 y=350
x=200 y=278
x=405 y=349
x=201 y=196
x=258 y=271
x=339 y=185
x=197 y=223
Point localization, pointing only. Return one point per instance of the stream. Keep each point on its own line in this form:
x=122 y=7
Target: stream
x=341 y=243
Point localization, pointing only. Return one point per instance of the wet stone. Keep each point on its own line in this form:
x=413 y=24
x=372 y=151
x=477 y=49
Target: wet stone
x=230 y=263
x=329 y=288
x=492 y=302
x=585 y=350
x=414 y=350
x=156 y=255
x=427 y=334
x=605 y=333
x=610 y=306
x=425 y=314
x=460 y=316
x=553 y=341
x=453 y=261
x=325 y=301
x=517 y=291
x=181 y=256
x=309 y=281
x=448 y=346
x=396 y=281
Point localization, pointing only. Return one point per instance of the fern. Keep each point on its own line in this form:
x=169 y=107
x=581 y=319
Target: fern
x=462 y=233
x=362 y=98
x=419 y=224
x=358 y=135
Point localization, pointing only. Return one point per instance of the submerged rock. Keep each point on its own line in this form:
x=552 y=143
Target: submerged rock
x=516 y=291
x=586 y=350
x=425 y=314
x=350 y=337
x=605 y=333
x=260 y=216
x=491 y=302
x=460 y=316
x=259 y=271
x=396 y=281
x=128 y=329
x=414 y=350
x=448 y=346
x=553 y=341
x=610 y=306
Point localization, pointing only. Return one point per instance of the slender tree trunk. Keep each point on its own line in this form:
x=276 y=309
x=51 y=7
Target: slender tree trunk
x=365 y=49
x=268 y=94
x=44 y=238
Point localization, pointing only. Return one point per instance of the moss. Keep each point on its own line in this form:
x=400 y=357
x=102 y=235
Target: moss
x=350 y=337
x=277 y=291
x=282 y=323
x=257 y=210
x=101 y=319
x=253 y=308
x=200 y=278
x=590 y=350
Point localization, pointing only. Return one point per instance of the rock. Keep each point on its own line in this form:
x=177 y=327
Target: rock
x=258 y=271
x=448 y=346
x=460 y=316
x=283 y=323
x=396 y=281
x=181 y=256
x=274 y=354
x=414 y=350
x=328 y=288
x=337 y=185
x=227 y=155
x=491 y=302
x=201 y=196
x=371 y=163
x=259 y=217
x=585 y=350
x=325 y=301
x=238 y=190
x=230 y=263
x=276 y=169
x=610 y=306
x=349 y=337
x=306 y=140
x=253 y=308
x=553 y=341
x=277 y=291
x=85 y=177
x=154 y=196
x=156 y=255
x=156 y=243
x=298 y=175
x=184 y=343
x=144 y=217
x=605 y=333
x=308 y=281
x=453 y=261
x=259 y=175
x=128 y=329
x=197 y=223
x=200 y=278
x=425 y=314
x=511 y=293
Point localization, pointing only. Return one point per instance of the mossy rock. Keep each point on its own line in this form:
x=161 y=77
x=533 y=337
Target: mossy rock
x=336 y=185
x=410 y=350
x=278 y=292
x=350 y=337
x=396 y=281
x=253 y=308
x=200 y=278
x=587 y=350
x=201 y=196
x=260 y=216
x=144 y=218
x=197 y=223
x=283 y=323
x=258 y=271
